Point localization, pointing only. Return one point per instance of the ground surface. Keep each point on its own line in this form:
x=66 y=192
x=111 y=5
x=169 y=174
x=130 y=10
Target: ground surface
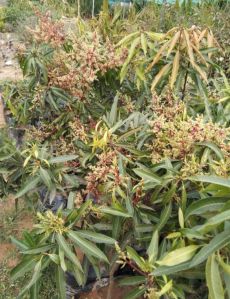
x=9 y=68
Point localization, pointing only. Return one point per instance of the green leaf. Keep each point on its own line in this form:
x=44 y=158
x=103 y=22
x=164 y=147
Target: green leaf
x=215 y=221
x=77 y=214
x=34 y=291
x=30 y=185
x=113 y=112
x=148 y=176
x=169 y=194
x=213 y=279
x=136 y=293
x=165 y=215
x=86 y=246
x=152 y=250
x=227 y=284
x=68 y=252
x=219 y=241
x=70 y=202
x=167 y=287
x=212 y=180
x=181 y=217
x=25 y=266
x=62 y=159
x=179 y=256
x=18 y=243
x=54 y=258
x=35 y=277
x=61 y=285
x=95 y=237
x=202 y=206
x=168 y=270
x=132 y=281
x=213 y=147
x=224 y=266
x=45 y=177
x=39 y=249
x=114 y=212
x=61 y=255
x=132 y=254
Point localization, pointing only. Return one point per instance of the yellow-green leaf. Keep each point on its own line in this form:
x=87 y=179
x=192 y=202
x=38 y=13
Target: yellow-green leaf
x=213 y=279
x=179 y=256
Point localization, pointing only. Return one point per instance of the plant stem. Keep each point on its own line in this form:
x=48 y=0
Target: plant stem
x=78 y=9
x=2 y=115
x=185 y=82
x=93 y=8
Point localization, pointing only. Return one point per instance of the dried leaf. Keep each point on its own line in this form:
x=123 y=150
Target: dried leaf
x=189 y=48
x=158 y=56
x=173 y=42
x=175 y=69
x=161 y=73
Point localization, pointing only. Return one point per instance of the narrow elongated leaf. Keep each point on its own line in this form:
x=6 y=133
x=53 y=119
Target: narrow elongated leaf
x=62 y=159
x=45 y=177
x=19 y=244
x=77 y=214
x=175 y=69
x=113 y=112
x=213 y=279
x=158 y=55
x=132 y=280
x=202 y=206
x=95 y=237
x=148 y=175
x=215 y=221
x=173 y=42
x=214 y=148
x=167 y=270
x=136 y=293
x=61 y=285
x=115 y=212
x=153 y=247
x=127 y=38
x=166 y=288
x=212 y=180
x=218 y=242
x=86 y=246
x=25 y=266
x=68 y=252
x=144 y=43
x=227 y=284
x=165 y=215
x=34 y=291
x=61 y=255
x=29 y=185
x=179 y=256
x=189 y=48
x=224 y=266
x=160 y=75
x=35 y=277
x=132 y=254
x=39 y=249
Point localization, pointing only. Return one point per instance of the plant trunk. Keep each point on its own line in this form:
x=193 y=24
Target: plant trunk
x=79 y=9
x=105 y=7
x=2 y=115
x=93 y=8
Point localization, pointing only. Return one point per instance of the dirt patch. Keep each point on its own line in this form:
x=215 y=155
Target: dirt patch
x=115 y=292
x=5 y=250
x=9 y=67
